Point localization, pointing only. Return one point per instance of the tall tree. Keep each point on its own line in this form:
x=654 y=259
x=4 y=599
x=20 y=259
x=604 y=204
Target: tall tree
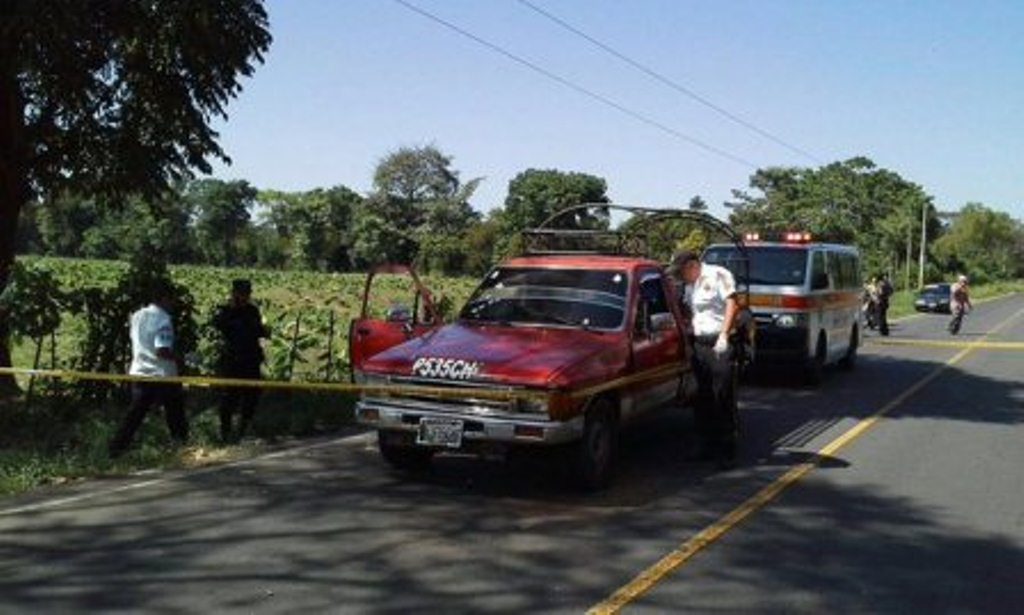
x=852 y=201
x=223 y=211
x=418 y=203
x=114 y=97
x=536 y=194
x=983 y=243
x=315 y=226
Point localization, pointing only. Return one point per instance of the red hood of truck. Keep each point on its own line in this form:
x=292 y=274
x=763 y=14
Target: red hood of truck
x=522 y=356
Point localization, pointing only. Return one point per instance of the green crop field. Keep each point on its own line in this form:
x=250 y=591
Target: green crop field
x=59 y=436
x=308 y=311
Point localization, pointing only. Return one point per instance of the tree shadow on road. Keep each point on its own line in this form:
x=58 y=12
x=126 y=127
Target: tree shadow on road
x=831 y=548
x=331 y=529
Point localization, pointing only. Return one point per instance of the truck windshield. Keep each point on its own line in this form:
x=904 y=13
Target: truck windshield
x=769 y=265
x=559 y=297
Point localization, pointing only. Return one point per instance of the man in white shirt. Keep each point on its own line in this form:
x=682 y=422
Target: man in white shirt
x=710 y=295
x=153 y=355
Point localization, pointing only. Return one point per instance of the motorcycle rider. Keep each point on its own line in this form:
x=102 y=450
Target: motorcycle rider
x=960 y=303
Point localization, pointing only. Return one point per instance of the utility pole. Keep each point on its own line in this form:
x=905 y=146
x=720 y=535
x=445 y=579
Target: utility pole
x=910 y=255
x=924 y=241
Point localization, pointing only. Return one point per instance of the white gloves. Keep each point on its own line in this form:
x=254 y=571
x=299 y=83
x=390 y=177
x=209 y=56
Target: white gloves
x=722 y=345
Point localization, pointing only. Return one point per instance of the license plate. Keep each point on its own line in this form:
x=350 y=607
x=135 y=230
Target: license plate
x=440 y=432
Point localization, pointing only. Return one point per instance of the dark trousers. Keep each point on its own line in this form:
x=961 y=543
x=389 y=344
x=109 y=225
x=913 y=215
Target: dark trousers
x=235 y=399
x=882 y=315
x=145 y=395
x=715 y=411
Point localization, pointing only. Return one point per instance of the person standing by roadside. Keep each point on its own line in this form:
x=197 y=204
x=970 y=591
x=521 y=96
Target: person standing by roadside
x=884 y=292
x=869 y=303
x=960 y=303
x=710 y=293
x=241 y=327
x=153 y=355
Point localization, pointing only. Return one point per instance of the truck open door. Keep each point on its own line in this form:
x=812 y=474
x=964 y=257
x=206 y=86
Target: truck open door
x=378 y=327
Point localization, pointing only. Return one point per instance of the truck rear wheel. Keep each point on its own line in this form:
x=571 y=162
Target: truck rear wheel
x=595 y=454
x=403 y=456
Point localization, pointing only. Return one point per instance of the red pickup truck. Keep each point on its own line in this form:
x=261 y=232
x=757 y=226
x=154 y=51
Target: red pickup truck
x=549 y=350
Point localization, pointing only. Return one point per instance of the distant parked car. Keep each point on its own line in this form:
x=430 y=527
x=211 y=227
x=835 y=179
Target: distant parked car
x=933 y=298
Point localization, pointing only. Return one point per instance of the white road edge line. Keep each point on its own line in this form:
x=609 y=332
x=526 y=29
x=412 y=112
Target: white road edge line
x=178 y=475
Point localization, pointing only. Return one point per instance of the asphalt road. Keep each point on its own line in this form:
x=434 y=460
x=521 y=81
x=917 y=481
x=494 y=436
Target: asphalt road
x=922 y=513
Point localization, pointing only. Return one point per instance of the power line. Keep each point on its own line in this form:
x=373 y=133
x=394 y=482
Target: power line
x=578 y=88
x=670 y=83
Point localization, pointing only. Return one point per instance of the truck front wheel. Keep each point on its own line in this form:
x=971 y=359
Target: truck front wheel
x=595 y=454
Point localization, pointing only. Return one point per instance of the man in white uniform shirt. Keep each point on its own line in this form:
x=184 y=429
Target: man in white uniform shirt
x=710 y=295
x=152 y=335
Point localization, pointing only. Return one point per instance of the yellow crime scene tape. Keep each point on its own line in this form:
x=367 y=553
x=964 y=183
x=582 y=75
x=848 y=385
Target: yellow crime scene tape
x=979 y=345
x=385 y=390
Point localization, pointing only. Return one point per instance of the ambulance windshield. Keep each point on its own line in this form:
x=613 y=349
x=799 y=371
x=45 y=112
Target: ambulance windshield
x=769 y=265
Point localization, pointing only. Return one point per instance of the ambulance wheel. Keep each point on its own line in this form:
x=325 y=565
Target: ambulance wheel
x=401 y=455
x=595 y=453
x=850 y=360
x=814 y=372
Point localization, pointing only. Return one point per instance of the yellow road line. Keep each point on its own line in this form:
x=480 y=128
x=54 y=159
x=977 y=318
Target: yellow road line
x=679 y=556
x=949 y=344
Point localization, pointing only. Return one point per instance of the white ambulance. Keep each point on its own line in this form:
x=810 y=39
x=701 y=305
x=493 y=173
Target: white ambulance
x=805 y=299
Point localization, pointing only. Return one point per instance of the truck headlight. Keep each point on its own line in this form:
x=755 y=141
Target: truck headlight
x=532 y=405
x=787 y=321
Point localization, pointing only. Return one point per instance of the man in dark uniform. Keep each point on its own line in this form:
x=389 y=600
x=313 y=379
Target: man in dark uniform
x=241 y=327
x=884 y=294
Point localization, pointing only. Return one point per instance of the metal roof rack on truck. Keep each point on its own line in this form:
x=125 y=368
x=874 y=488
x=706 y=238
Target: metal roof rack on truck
x=585 y=235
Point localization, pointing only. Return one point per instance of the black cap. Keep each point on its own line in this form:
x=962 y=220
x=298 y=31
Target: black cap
x=242 y=287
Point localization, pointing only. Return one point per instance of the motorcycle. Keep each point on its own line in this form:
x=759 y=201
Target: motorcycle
x=958 y=319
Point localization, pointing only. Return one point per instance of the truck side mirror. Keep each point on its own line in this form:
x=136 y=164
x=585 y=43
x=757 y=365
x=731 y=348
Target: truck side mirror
x=398 y=313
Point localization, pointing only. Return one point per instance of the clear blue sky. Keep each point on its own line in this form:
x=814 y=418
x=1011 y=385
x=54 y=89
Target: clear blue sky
x=933 y=90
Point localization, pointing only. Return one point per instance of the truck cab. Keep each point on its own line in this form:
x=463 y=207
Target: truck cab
x=550 y=350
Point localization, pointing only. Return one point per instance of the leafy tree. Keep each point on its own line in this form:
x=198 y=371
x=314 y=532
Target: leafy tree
x=161 y=227
x=63 y=221
x=113 y=97
x=418 y=203
x=222 y=217
x=697 y=204
x=480 y=240
x=852 y=201
x=378 y=241
x=534 y=195
x=28 y=240
x=315 y=226
x=984 y=244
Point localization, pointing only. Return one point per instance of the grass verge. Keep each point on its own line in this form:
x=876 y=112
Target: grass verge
x=55 y=441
